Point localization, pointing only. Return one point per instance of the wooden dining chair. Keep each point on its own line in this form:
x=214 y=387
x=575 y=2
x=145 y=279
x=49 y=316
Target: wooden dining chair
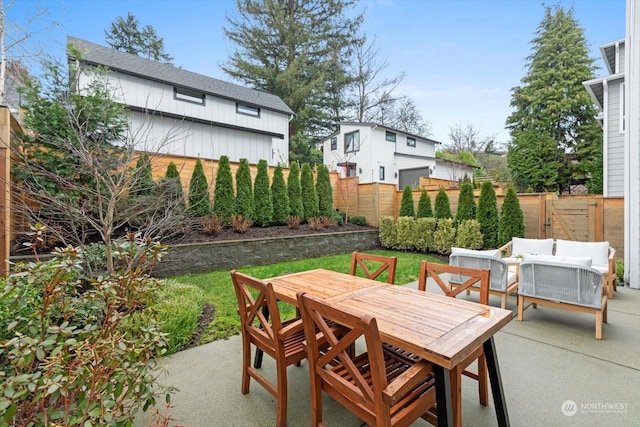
x=378 y=386
x=268 y=333
x=470 y=277
x=374 y=265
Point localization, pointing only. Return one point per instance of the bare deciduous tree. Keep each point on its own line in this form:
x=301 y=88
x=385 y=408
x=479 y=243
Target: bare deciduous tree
x=468 y=138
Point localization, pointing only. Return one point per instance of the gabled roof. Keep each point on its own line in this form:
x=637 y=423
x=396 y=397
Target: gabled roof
x=609 y=54
x=595 y=87
x=94 y=54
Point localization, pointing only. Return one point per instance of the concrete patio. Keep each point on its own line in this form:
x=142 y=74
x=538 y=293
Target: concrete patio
x=554 y=372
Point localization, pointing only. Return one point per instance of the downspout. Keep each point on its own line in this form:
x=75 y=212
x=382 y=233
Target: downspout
x=605 y=139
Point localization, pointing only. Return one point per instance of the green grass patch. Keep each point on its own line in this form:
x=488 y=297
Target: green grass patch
x=218 y=288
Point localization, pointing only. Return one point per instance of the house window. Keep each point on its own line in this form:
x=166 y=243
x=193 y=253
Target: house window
x=381 y=173
x=334 y=143
x=623 y=115
x=390 y=136
x=248 y=110
x=188 y=95
x=411 y=142
x=349 y=169
x=352 y=142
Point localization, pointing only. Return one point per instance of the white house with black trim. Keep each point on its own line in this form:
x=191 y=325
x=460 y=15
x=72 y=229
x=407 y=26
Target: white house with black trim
x=189 y=114
x=378 y=153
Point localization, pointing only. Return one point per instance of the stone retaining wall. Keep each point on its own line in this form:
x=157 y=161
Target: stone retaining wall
x=205 y=257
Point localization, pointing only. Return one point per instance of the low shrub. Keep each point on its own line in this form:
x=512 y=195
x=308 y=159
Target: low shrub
x=425 y=229
x=387 y=232
x=469 y=235
x=358 y=220
x=240 y=223
x=316 y=223
x=293 y=221
x=406 y=232
x=212 y=224
x=328 y=221
x=620 y=270
x=444 y=236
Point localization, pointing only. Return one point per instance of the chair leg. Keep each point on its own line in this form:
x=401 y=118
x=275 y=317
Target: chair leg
x=599 y=324
x=520 y=307
x=246 y=363
x=483 y=381
x=503 y=304
x=281 y=417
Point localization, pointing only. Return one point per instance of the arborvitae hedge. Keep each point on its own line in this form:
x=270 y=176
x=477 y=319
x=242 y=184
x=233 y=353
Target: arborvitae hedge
x=487 y=215
x=442 y=205
x=262 y=196
x=172 y=176
x=406 y=205
x=279 y=197
x=245 y=204
x=511 y=222
x=466 y=204
x=143 y=184
x=325 y=192
x=309 y=195
x=295 y=191
x=424 y=206
x=199 y=204
x=224 y=201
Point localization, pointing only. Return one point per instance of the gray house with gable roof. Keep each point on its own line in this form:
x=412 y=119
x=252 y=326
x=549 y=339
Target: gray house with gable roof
x=181 y=113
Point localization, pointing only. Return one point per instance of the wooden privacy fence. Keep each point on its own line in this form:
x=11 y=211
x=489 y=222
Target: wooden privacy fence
x=546 y=215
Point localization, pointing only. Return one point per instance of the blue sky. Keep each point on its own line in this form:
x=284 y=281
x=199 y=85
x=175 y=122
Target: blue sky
x=461 y=57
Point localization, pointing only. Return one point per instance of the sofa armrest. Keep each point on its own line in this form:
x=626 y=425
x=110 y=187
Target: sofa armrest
x=505 y=250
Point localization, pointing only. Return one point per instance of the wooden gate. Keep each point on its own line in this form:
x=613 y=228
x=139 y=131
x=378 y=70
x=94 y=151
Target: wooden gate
x=573 y=218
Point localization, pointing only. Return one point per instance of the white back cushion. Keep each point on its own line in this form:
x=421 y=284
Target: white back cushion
x=597 y=251
x=520 y=246
x=575 y=260
x=494 y=253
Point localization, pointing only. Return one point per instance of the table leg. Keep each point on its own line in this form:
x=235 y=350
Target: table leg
x=443 y=396
x=257 y=361
x=496 y=383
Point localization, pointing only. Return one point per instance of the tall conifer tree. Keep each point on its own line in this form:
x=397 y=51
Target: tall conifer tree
x=280 y=197
x=224 y=203
x=262 y=196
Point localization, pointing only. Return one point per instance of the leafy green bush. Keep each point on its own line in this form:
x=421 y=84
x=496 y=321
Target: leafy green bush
x=245 y=204
x=262 y=196
x=444 y=236
x=224 y=201
x=469 y=235
x=199 y=204
x=406 y=232
x=387 y=232
x=620 y=270
x=406 y=204
x=424 y=206
x=442 y=205
x=487 y=215
x=280 y=197
x=69 y=356
x=511 y=223
x=425 y=229
x=358 y=220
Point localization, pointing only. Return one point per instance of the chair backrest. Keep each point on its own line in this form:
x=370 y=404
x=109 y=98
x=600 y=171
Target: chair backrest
x=318 y=317
x=500 y=277
x=253 y=295
x=472 y=275
x=374 y=265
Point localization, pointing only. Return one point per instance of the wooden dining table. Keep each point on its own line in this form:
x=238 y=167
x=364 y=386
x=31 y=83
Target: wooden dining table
x=440 y=329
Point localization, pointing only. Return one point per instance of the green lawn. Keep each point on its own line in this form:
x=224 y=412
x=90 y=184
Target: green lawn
x=219 y=292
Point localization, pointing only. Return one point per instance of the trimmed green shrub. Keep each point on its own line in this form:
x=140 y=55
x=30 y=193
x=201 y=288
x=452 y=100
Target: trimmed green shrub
x=442 y=206
x=466 y=204
x=424 y=206
x=245 y=204
x=487 y=215
x=406 y=205
x=295 y=191
x=358 y=220
x=262 y=196
x=199 y=204
x=224 y=201
x=425 y=229
x=511 y=223
x=620 y=270
x=172 y=180
x=387 y=232
x=468 y=234
x=406 y=232
x=280 y=197
x=309 y=194
x=444 y=237
x=325 y=192
x=143 y=184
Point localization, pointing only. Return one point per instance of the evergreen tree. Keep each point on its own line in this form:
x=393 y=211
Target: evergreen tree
x=199 y=204
x=511 y=222
x=487 y=215
x=172 y=175
x=442 y=209
x=262 y=196
x=466 y=204
x=309 y=195
x=280 y=197
x=224 y=202
x=245 y=204
x=554 y=129
x=143 y=184
x=126 y=36
x=295 y=191
x=406 y=204
x=424 y=206
x=325 y=191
